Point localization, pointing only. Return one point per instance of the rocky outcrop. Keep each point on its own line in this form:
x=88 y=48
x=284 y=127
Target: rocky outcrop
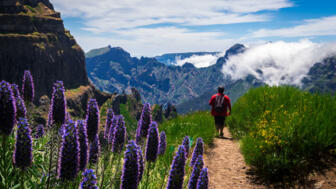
x=32 y=37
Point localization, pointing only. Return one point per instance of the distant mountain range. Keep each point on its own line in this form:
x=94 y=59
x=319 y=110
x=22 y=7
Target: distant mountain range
x=171 y=58
x=114 y=70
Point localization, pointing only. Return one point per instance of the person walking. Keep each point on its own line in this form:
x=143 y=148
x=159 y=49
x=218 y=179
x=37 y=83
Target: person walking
x=220 y=104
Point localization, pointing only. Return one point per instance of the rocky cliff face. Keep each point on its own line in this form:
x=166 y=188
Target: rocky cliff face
x=32 y=36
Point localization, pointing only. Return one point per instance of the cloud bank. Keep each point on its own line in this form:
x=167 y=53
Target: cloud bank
x=199 y=61
x=279 y=62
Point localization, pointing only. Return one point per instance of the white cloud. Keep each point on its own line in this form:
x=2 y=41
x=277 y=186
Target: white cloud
x=199 y=61
x=280 y=62
x=107 y=15
x=312 y=27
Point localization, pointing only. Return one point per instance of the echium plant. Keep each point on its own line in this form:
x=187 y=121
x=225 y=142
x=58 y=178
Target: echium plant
x=141 y=164
x=186 y=144
x=176 y=174
x=68 y=162
x=7 y=109
x=89 y=180
x=196 y=172
x=109 y=117
x=28 y=87
x=22 y=156
x=143 y=123
x=113 y=125
x=16 y=91
x=163 y=143
x=20 y=105
x=119 y=137
x=39 y=131
x=130 y=172
x=152 y=146
x=92 y=119
x=198 y=150
x=57 y=112
x=83 y=145
x=203 y=180
x=94 y=150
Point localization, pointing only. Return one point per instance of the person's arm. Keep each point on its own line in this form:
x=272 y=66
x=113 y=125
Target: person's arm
x=229 y=105
x=211 y=101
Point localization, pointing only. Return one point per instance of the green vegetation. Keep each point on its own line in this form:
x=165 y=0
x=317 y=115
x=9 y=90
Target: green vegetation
x=285 y=133
x=198 y=124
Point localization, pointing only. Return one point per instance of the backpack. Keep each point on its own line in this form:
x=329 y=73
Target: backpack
x=219 y=103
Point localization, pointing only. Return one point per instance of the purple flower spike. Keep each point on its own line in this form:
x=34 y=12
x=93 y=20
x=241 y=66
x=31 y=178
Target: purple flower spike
x=109 y=117
x=176 y=174
x=130 y=172
x=92 y=119
x=68 y=162
x=163 y=143
x=198 y=150
x=144 y=122
x=152 y=146
x=196 y=172
x=57 y=112
x=94 y=150
x=186 y=144
x=203 y=179
x=141 y=164
x=39 y=131
x=119 y=137
x=89 y=180
x=22 y=157
x=7 y=108
x=113 y=125
x=20 y=108
x=83 y=145
x=28 y=87
x=19 y=103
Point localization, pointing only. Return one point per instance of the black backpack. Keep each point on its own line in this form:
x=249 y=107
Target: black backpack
x=219 y=103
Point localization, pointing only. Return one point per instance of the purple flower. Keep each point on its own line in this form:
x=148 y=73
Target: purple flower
x=23 y=156
x=94 y=150
x=141 y=164
x=130 y=172
x=196 y=172
x=176 y=174
x=113 y=125
x=203 y=179
x=68 y=162
x=19 y=103
x=28 y=87
x=198 y=150
x=83 y=145
x=109 y=117
x=152 y=146
x=89 y=180
x=119 y=135
x=186 y=144
x=163 y=143
x=57 y=112
x=144 y=122
x=39 y=131
x=92 y=119
x=7 y=108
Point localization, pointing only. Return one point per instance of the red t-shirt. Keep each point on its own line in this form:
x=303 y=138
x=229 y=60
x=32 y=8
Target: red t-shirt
x=212 y=103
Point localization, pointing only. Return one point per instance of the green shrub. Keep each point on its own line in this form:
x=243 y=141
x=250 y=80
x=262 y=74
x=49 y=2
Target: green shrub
x=284 y=132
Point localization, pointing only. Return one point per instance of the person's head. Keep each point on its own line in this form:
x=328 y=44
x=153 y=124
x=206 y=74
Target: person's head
x=221 y=89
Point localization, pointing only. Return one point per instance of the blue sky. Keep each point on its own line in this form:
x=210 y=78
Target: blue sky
x=154 y=27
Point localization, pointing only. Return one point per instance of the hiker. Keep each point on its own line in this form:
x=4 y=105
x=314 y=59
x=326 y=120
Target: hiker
x=220 y=102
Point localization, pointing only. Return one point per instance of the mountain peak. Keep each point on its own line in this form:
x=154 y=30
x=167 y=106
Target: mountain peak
x=235 y=49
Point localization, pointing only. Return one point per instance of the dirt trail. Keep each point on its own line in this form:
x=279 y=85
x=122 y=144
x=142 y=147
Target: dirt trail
x=226 y=165
x=227 y=169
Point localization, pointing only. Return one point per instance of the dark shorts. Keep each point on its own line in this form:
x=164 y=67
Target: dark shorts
x=219 y=121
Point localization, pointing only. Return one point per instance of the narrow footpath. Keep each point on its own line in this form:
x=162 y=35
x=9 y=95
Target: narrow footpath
x=226 y=165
